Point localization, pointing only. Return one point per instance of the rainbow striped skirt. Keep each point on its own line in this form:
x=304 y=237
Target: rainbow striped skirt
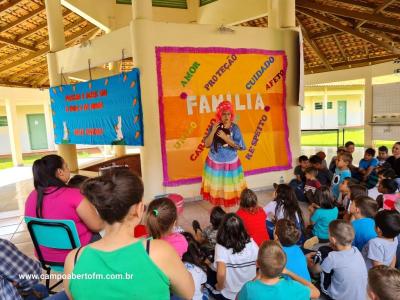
x=222 y=182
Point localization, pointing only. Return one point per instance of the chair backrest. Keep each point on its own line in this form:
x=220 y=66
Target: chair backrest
x=56 y=234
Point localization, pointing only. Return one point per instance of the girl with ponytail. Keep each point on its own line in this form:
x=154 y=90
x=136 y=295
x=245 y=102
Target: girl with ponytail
x=53 y=199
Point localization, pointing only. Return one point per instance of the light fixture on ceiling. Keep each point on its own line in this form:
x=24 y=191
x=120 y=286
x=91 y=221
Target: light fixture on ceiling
x=224 y=29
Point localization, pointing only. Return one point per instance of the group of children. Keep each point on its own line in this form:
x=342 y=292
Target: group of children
x=348 y=235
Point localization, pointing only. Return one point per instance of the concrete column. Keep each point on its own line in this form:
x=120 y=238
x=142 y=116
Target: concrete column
x=55 y=25
x=287 y=13
x=49 y=125
x=368 y=107
x=141 y=55
x=57 y=42
x=142 y=9
x=325 y=105
x=13 y=132
x=281 y=13
x=273 y=14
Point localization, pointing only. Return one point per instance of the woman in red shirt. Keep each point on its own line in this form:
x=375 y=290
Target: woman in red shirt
x=253 y=216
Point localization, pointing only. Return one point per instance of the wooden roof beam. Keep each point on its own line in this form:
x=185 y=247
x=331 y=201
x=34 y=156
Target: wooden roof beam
x=366 y=5
x=41 y=26
x=380 y=29
x=45 y=39
x=66 y=28
x=22 y=19
x=69 y=39
x=16 y=43
x=42 y=80
x=8 y=5
x=377 y=10
x=329 y=32
x=358 y=4
x=355 y=63
x=42 y=64
x=347 y=29
x=313 y=45
x=340 y=48
x=348 y=13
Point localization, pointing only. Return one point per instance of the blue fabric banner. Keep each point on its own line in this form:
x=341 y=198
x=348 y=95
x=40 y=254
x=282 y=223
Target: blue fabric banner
x=106 y=111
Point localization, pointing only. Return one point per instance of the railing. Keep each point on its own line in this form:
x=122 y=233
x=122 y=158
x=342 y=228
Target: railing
x=340 y=130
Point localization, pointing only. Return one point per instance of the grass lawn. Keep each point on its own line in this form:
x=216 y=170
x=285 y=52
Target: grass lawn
x=29 y=159
x=329 y=138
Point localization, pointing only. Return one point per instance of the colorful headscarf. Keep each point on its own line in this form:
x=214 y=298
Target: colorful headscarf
x=224 y=106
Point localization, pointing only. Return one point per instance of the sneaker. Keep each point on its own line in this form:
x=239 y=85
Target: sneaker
x=196 y=226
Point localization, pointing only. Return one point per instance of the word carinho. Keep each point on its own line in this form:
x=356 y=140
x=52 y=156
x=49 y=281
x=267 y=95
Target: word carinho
x=201 y=146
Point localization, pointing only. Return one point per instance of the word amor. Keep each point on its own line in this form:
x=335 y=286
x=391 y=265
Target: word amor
x=206 y=104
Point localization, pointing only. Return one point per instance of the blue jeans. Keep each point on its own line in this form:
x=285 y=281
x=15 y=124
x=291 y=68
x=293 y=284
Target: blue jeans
x=298 y=187
x=40 y=288
x=58 y=296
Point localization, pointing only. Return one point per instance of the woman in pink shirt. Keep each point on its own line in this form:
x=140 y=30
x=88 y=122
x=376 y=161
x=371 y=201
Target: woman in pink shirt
x=53 y=199
x=161 y=219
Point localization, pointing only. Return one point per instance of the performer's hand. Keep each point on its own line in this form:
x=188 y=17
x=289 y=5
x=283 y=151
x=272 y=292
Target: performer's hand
x=214 y=128
x=222 y=135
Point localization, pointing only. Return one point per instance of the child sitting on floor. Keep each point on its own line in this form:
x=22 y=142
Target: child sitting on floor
x=355 y=191
x=312 y=184
x=366 y=170
x=322 y=213
x=383 y=283
x=389 y=190
x=363 y=210
x=77 y=180
x=288 y=235
x=382 y=249
x=253 y=216
x=343 y=271
x=235 y=259
x=342 y=171
x=324 y=176
x=284 y=206
x=161 y=219
x=208 y=236
x=193 y=260
x=269 y=284
x=298 y=183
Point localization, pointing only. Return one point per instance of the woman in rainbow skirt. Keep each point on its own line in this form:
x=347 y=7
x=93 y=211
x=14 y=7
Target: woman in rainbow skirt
x=223 y=178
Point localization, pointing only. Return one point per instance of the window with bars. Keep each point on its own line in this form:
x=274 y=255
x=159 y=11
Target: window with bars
x=161 y=3
x=205 y=2
x=318 y=105
x=329 y=105
x=3 y=121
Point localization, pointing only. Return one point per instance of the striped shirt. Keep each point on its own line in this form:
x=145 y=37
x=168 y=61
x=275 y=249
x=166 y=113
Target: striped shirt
x=240 y=267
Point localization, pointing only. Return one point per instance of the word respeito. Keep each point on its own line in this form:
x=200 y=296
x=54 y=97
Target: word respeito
x=255 y=139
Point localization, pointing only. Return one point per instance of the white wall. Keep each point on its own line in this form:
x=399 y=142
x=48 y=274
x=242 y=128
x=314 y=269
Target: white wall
x=147 y=35
x=328 y=118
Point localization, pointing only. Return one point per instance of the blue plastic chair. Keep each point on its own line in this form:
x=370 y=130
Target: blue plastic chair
x=56 y=234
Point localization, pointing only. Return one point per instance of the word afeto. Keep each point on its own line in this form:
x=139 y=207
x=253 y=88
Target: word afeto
x=240 y=101
x=254 y=141
x=274 y=80
x=190 y=73
x=230 y=60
